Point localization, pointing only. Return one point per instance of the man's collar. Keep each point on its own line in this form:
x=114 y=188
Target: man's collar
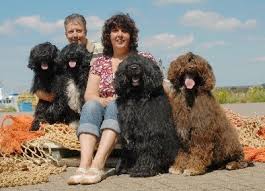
x=90 y=46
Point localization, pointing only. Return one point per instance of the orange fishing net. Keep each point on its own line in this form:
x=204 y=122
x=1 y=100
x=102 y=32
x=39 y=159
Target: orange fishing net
x=23 y=162
x=15 y=133
x=25 y=157
x=254 y=154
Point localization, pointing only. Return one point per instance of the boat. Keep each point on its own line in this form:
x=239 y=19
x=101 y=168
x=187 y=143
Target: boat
x=27 y=102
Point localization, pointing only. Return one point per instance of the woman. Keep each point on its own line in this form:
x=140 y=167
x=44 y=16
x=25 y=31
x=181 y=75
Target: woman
x=98 y=119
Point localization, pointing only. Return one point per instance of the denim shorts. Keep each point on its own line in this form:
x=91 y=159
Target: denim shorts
x=94 y=118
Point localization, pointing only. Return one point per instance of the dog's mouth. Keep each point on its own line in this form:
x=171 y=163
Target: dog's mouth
x=189 y=82
x=135 y=81
x=72 y=63
x=135 y=73
x=44 y=66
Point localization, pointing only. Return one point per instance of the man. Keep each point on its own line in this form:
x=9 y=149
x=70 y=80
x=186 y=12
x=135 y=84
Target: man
x=75 y=32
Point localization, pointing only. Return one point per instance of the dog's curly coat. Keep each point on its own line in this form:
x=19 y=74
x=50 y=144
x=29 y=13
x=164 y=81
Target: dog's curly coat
x=52 y=76
x=42 y=62
x=148 y=136
x=207 y=139
x=74 y=61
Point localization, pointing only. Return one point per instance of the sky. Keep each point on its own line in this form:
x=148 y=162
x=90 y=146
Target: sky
x=229 y=34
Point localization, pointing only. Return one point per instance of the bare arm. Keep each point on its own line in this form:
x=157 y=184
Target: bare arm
x=44 y=95
x=167 y=86
x=92 y=91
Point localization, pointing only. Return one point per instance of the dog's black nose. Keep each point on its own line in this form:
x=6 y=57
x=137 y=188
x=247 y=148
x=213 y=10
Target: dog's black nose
x=133 y=67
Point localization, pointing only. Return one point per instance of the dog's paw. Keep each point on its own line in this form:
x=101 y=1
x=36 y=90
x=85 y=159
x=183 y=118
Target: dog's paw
x=236 y=165
x=192 y=172
x=174 y=170
x=142 y=172
x=35 y=126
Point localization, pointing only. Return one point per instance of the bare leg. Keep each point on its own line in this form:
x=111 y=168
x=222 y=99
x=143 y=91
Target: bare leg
x=106 y=144
x=96 y=173
x=87 y=143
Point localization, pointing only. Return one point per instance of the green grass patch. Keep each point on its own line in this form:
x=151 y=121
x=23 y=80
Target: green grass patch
x=240 y=95
x=8 y=109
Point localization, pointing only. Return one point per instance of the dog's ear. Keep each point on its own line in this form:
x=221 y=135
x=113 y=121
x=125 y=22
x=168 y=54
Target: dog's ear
x=59 y=61
x=153 y=76
x=86 y=59
x=55 y=52
x=54 y=57
x=208 y=77
x=174 y=73
x=58 y=68
x=31 y=64
x=85 y=65
x=120 y=81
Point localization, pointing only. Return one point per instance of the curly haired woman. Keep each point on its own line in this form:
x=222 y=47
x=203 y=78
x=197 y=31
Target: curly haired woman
x=98 y=121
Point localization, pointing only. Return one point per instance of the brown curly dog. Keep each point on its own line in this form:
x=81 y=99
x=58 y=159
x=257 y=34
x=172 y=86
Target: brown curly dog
x=208 y=140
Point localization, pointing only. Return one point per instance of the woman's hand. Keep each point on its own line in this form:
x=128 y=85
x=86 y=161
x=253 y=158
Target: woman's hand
x=105 y=101
x=44 y=95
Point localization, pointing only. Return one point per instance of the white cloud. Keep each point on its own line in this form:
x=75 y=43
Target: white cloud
x=212 y=44
x=166 y=2
x=6 y=28
x=35 y=23
x=94 y=23
x=256 y=38
x=215 y=21
x=259 y=59
x=168 y=41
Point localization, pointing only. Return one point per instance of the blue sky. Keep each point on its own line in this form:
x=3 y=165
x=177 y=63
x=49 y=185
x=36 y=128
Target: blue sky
x=230 y=34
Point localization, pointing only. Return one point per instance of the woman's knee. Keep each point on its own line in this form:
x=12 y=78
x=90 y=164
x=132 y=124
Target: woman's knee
x=92 y=107
x=92 y=112
x=111 y=111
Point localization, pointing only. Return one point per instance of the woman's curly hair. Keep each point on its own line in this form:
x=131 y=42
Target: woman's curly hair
x=126 y=23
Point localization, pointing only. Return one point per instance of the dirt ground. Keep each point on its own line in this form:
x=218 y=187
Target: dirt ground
x=247 y=109
x=248 y=179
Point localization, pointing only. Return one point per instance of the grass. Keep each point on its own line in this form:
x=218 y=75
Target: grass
x=237 y=95
x=8 y=109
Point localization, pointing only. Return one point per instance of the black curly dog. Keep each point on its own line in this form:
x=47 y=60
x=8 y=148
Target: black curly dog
x=148 y=136
x=50 y=75
x=74 y=61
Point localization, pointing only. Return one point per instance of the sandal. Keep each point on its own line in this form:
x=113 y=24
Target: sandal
x=75 y=179
x=93 y=176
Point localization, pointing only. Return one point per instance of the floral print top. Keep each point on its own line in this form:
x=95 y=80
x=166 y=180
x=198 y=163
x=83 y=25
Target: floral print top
x=102 y=67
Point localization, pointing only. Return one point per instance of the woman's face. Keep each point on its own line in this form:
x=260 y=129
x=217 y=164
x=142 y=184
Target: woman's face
x=75 y=32
x=120 y=39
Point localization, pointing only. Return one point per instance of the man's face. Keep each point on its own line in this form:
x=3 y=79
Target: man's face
x=75 y=32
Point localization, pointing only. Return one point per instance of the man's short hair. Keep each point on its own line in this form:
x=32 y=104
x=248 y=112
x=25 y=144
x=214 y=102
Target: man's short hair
x=75 y=17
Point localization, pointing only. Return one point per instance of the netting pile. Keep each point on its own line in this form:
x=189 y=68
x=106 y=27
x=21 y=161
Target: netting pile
x=16 y=171
x=251 y=132
x=26 y=158
x=61 y=134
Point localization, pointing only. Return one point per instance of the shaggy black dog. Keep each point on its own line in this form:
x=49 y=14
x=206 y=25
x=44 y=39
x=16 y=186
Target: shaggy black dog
x=208 y=140
x=148 y=136
x=74 y=61
x=52 y=76
x=42 y=62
